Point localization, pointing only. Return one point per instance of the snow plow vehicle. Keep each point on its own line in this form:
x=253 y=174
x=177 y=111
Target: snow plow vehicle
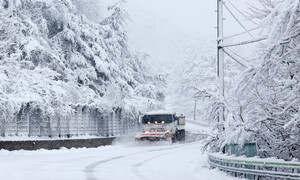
x=161 y=126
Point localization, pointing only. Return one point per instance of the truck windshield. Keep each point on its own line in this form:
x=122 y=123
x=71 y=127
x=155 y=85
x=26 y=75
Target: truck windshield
x=167 y=118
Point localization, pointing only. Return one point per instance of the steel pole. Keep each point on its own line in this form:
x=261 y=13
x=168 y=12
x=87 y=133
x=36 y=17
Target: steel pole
x=220 y=54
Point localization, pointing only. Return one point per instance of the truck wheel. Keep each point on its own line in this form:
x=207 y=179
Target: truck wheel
x=181 y=135
x=175 y=137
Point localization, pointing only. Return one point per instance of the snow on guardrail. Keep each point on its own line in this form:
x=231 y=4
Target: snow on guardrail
x=255 y=167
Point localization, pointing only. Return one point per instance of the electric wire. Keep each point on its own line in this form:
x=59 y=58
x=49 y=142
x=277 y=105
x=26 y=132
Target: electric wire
x=229 y=1
x=237 y=54
x=235 y=59
x=243 y=42
x=238 y=21
x=228 y=37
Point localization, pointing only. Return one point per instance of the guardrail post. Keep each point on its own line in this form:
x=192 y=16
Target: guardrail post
x=49 y=126
x=76 y=114
x=68 y=126
x=255 y=176
x=244 y=175
x=83 y=121
x=112 y=123
x=123 y=125
x=59 y=126
x=40 y=126
x=235 y=173
x=2 y=127
x=97 y=124
x=94 y=123
x=128 y=123
x=107 y=125
x=90 y=131
x=17 y=126
x=28 y=119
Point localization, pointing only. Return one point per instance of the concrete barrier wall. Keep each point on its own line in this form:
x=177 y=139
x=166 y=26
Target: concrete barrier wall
x=55 y=144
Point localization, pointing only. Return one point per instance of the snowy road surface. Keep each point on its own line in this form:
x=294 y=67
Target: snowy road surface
x=177 y=161
x=120 y=161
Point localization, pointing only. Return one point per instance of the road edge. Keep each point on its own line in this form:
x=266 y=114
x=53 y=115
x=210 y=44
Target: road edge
x=55 y=144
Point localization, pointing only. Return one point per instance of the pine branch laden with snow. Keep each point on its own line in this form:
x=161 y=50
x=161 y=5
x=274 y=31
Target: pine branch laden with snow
x=56 y=61
x=268 y=94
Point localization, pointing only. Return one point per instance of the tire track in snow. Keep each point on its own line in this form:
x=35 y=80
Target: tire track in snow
x=135 y=167
x=89 y=170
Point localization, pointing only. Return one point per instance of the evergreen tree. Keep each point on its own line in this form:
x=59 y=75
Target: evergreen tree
x=116 y=37
x=55 y=60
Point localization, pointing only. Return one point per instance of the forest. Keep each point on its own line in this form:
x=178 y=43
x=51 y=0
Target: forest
x=58 y=64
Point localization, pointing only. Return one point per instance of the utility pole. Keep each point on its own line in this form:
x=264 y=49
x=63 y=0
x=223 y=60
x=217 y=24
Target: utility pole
x=220 y=54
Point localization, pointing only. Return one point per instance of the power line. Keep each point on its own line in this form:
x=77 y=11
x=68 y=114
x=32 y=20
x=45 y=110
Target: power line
x=228 y=37
x=241 y=12
x=236 y=54
x=238 y=21
x=243 y=43
x=236 y=59
x=236 y=8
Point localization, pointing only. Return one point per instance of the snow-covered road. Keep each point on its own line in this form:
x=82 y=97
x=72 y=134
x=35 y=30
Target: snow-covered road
x=120 y=161
x=177 y=161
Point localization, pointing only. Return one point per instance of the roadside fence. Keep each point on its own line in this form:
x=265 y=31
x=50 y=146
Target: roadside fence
x=256 y=168
x=84 y=121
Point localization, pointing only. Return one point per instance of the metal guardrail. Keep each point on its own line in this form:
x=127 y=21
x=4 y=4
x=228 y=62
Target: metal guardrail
x=255 y=168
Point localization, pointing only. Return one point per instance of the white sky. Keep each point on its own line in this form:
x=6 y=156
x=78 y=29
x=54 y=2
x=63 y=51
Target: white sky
x=172 y=31
x=166 y=28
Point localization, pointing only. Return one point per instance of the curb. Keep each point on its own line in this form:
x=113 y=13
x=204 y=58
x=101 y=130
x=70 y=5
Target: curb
x=55 y=144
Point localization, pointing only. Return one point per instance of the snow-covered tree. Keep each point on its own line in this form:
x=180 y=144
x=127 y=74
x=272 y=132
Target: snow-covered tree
x=272 y=88
x=268 y=93
x=57 y=61
x=116 y=37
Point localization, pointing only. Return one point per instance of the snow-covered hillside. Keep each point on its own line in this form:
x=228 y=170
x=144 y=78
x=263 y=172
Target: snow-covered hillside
x=55 y=61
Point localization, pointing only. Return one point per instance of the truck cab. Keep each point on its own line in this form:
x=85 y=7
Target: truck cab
x=161 y=126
